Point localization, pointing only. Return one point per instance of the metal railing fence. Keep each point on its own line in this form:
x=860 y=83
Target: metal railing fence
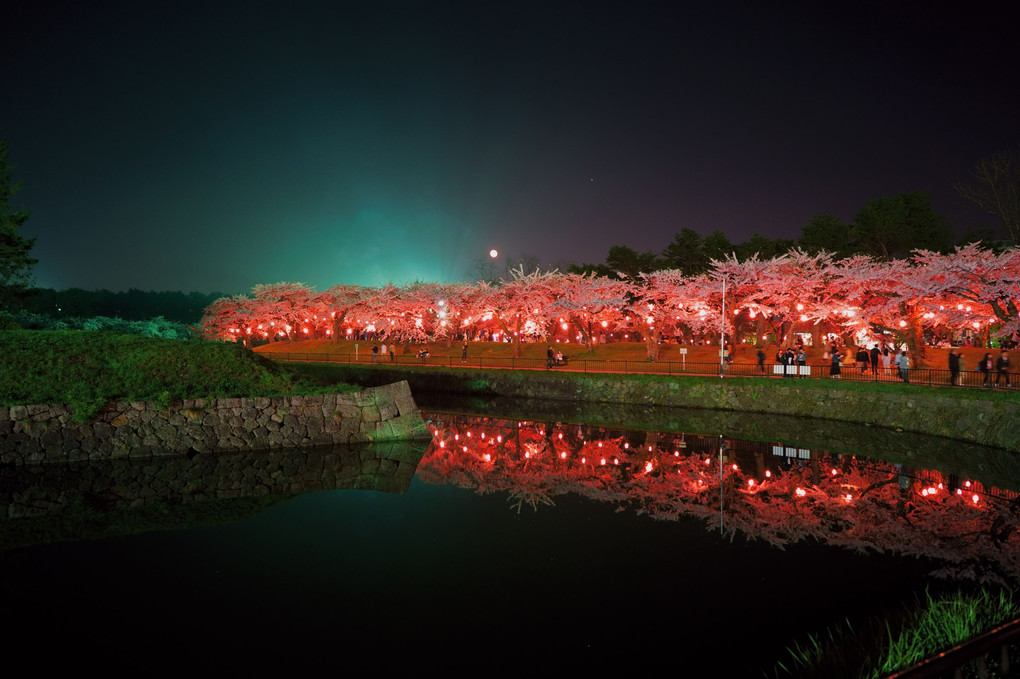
x=925 y=376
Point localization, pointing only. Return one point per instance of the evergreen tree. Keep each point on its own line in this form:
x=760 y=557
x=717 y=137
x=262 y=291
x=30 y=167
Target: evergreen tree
x=15 y=262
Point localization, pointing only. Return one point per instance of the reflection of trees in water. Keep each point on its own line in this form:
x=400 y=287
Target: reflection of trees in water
x=767 y=492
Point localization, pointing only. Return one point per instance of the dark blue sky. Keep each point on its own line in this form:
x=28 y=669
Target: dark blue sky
x=214 y=146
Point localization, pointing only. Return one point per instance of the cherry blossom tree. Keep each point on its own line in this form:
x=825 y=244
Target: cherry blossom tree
x=650 y=309
x=905 y=297
x=786 y=293
x=519 y=304
x=339 y=300
x=285 y=309
x=593 y=304
x=978 y=276
x=230 y=319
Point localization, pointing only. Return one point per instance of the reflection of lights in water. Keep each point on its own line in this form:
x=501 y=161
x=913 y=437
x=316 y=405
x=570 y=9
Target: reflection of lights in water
x=754 y=506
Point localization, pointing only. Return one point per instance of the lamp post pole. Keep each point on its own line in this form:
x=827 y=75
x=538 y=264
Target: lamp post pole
x=722 y=332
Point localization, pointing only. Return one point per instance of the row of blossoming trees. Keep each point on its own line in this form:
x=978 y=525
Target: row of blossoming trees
x=971 y=288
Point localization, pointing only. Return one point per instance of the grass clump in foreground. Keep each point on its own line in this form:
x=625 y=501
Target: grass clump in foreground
x=903 y=638
x=86 y=370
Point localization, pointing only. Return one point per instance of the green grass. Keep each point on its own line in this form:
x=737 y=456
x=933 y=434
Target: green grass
x=87 y=370
x=900 y=639
x=323 y=373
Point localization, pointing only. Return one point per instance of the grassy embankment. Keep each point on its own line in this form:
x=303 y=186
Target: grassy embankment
x=902 y=637
x=88 y=369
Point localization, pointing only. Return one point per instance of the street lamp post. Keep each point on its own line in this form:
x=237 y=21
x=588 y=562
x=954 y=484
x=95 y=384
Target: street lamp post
x=722 y=333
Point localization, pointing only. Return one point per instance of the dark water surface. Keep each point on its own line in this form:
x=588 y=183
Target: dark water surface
x=477 y=568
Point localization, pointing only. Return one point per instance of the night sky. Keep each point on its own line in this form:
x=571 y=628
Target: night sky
x=213 y=146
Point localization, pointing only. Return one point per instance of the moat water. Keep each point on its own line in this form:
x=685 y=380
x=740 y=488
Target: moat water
x=506 y=541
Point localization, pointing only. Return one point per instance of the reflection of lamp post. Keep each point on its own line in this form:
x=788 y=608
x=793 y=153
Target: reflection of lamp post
x=722 y=445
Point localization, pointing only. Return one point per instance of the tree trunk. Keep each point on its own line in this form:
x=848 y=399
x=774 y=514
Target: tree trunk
x=652 y=344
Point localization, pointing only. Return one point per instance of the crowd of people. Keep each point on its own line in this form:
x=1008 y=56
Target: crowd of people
x=878 y=359
x=881 y=359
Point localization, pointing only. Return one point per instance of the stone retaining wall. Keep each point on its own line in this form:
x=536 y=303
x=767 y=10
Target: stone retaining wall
x=47 y=433
x=965 y=415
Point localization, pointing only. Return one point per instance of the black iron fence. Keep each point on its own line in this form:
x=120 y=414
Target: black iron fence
x=926 y=376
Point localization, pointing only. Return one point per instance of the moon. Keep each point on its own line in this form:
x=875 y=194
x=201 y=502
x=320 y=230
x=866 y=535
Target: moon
x=493 y=253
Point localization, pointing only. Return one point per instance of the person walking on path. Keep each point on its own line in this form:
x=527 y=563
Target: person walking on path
x=463 y=353
x=954 y=367
x=550 y=358
x=761 y=361
x=1002 y=368
x=985 y=367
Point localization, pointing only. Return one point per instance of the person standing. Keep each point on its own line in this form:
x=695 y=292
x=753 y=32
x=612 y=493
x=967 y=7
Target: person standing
x=954 y=367
x=393 y=353
x=382 y=351
x=789 y=360
x=550 y=358
x=463 y=352
x=874 y=354
x=1002 y=368
x=801 y=362
x=905 y=366
x=761 y=361
x=862 y=359
x=835 y=356
x=885 y=359
x=375 y=352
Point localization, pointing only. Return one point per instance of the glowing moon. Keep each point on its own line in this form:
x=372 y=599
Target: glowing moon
x=493 y=253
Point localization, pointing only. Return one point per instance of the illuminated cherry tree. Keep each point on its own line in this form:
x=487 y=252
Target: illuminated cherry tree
x=520 y=304
x=593 y=304
x=786 y=293
x=976 y=276
x=337 y=302
x=668 y=301
x=285 y=309
x=230 y=319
